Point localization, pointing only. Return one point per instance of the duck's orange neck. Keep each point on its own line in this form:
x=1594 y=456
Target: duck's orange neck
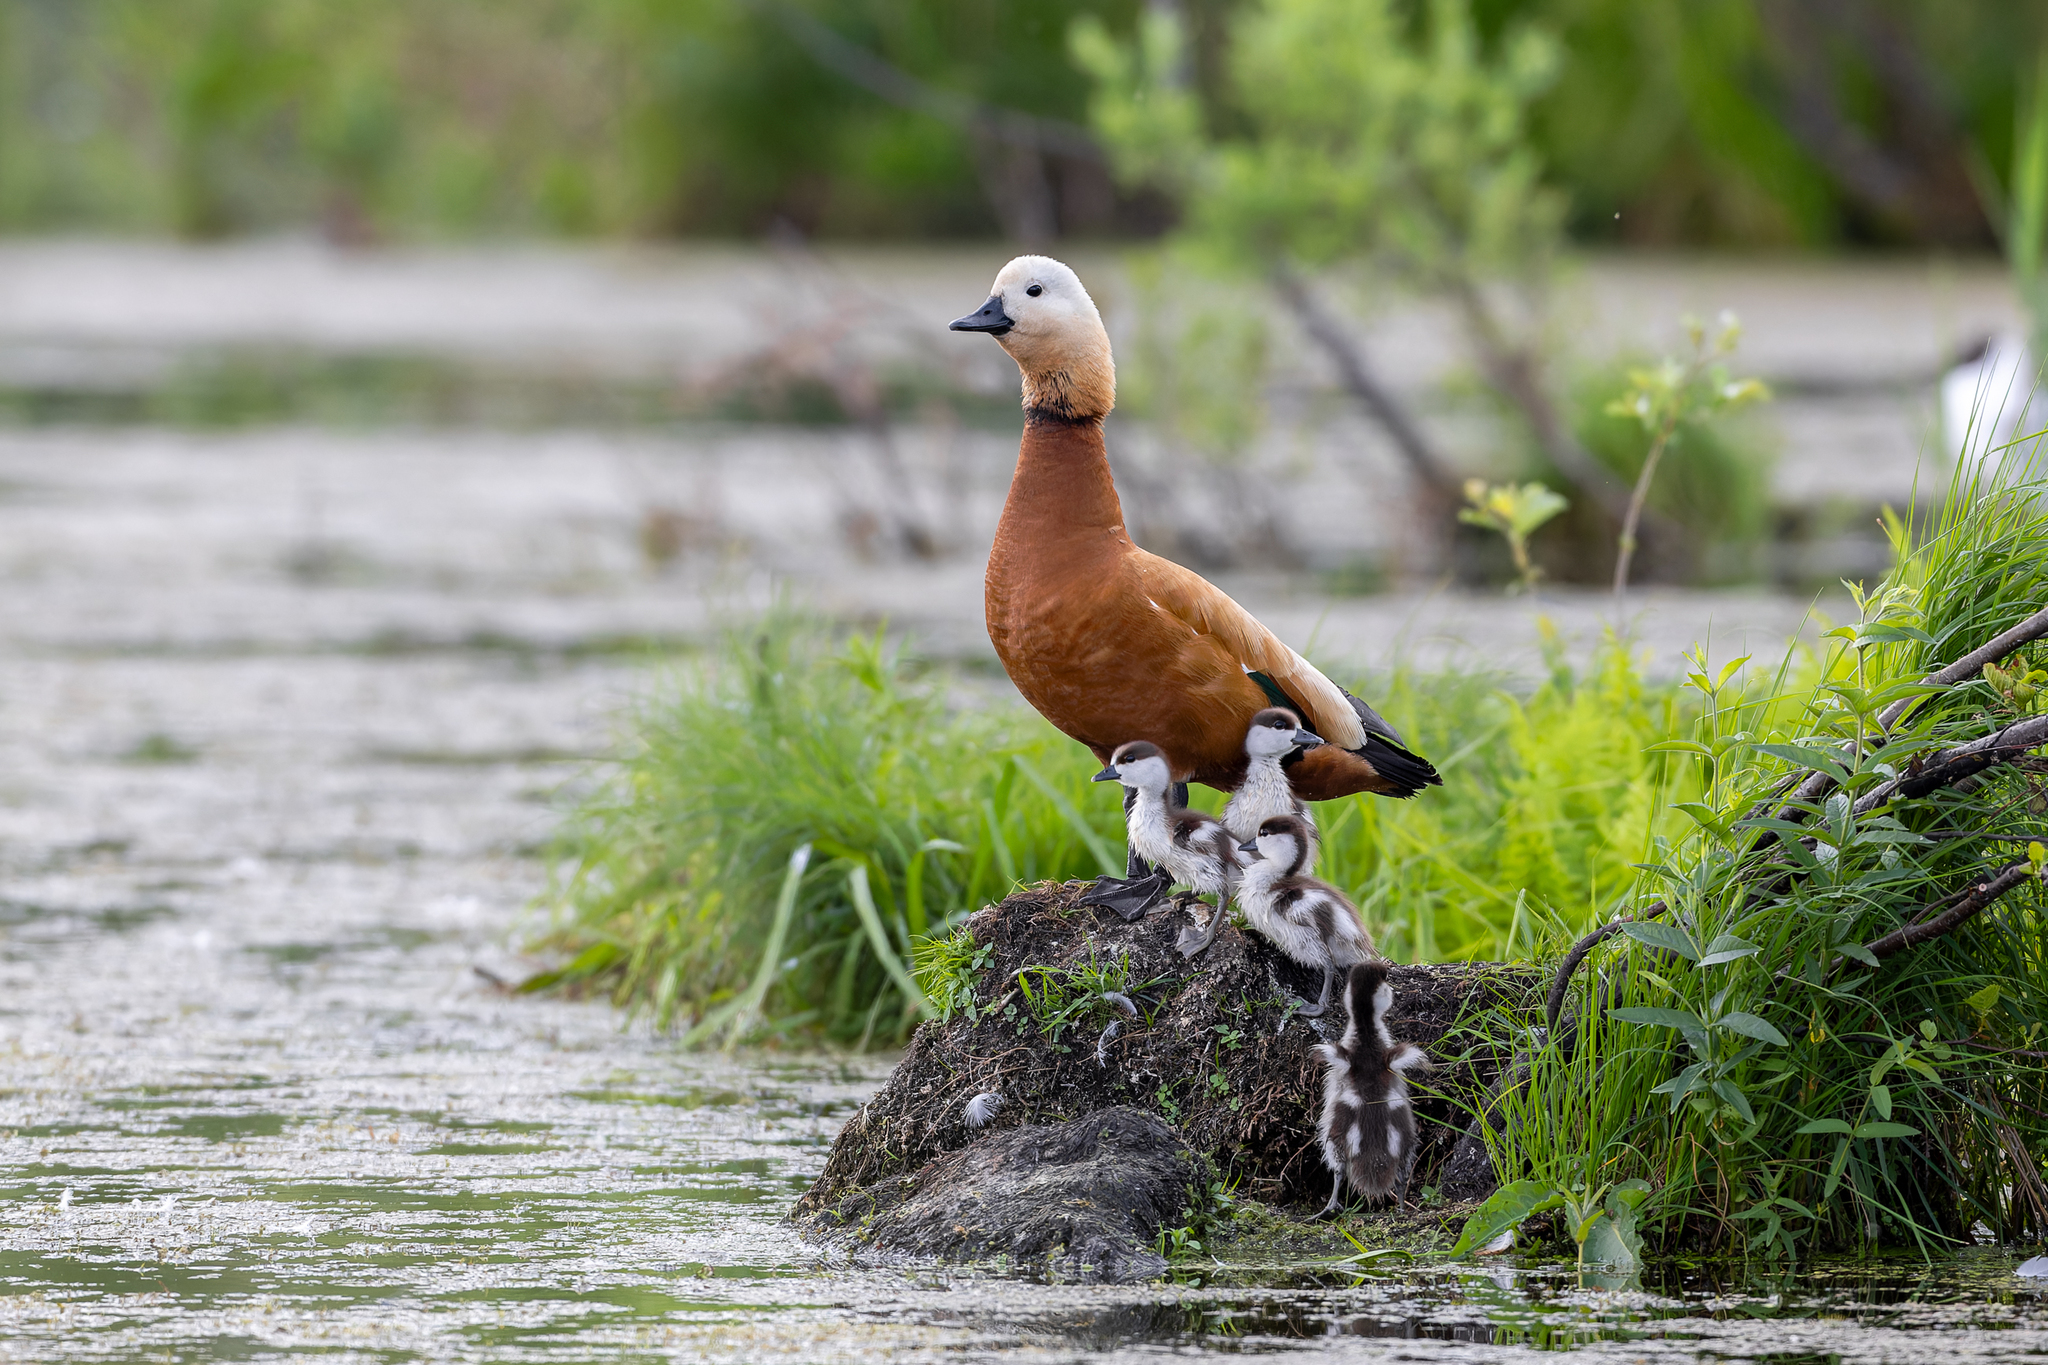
x=1062 y=489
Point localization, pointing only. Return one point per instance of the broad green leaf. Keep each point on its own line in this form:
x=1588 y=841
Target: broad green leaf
x=1984 y=1001
x=1657 y=1017
x=1750 y=1026
x=1506 y=1208
x=1885 y=1130
x=1825 y=1126
x=1732 y=1094
x=1706 y=817
x=1858 y=952
x=1613 y=1243
x=1629 y=1193
x=1669 y=937
x=1881 y=1100
x=1727 y=948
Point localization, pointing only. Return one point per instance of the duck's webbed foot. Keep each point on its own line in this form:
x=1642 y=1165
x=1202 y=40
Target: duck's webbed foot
x=1194 y=939
x=1130 y=897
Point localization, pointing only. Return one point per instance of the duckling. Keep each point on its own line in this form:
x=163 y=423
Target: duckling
x=1368 y=1123
x=1306 y=919
x=1106 y=640
x=1276 y=735
x=1191 y=847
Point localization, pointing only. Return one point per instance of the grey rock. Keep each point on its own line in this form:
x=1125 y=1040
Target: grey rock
x=1084 y=1199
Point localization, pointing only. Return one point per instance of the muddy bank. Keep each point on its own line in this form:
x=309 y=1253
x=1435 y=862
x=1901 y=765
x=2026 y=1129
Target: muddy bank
x=1214 y=1049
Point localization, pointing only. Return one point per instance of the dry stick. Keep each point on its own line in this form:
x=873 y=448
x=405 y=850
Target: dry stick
x=1943 y=769
x=1970 y=665
x=1979 y=896
x=1428 y=466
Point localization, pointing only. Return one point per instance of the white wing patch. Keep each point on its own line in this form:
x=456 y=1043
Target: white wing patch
x=1393 y=1140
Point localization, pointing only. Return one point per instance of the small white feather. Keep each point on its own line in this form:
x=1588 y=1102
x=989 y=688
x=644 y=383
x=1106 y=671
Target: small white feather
x=1122 y=1002
x=1102 y=1044
x=981 y=1110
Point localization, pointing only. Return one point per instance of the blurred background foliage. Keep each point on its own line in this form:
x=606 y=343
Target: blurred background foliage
x=1809 y=123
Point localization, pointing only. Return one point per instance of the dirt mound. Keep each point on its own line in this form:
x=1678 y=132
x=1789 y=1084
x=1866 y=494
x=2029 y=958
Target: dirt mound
x=1085 y=1198
x=1213 y=1049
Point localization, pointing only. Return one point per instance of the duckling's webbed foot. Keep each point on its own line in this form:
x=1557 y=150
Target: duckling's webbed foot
x=1194 y=939
x=1322 y=1001
x=1130 y=897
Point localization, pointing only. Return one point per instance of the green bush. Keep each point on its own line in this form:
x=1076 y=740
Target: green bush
x=1783 y=1088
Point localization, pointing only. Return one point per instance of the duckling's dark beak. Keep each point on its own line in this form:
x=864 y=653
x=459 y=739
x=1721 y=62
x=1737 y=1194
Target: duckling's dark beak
x=991 y=319
x=1304 y=740
x=1109 y=774
x=1249 y=846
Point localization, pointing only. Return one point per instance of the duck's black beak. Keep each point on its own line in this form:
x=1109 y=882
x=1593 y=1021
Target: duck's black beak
x=1248 y=846
x=1304 y=740
x=1109 y=774
x=991 y=319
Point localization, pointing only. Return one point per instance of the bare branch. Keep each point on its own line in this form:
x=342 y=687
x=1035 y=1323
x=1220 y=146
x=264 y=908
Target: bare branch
x=1424 y=462
x=1951 y=766
x=1969 y=666
x=1964 y=910
x=1554 y=1005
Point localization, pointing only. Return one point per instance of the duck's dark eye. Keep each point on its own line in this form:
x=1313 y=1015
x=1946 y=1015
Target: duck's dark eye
x=1035 y=290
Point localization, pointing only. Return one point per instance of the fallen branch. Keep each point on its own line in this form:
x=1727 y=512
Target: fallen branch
x=1979 y=896
x=1950 y=766
x=1969 y=666
x=1554 y=1004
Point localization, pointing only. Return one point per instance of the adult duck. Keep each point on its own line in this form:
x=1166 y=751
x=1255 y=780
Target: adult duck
x=1111 y=643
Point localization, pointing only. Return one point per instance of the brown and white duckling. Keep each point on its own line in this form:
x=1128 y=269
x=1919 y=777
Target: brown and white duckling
x=1276 y=734
x=1368 y=1123
x=1192 y=846
x=1306 y=919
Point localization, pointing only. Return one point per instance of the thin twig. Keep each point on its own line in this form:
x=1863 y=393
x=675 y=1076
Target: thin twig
x=1979 y=896
x=1561 y=983
x=1969 y=666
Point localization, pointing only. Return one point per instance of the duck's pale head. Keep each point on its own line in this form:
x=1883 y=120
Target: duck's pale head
x=1039 y=312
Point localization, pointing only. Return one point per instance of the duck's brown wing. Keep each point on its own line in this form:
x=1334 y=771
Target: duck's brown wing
x=1209 y=611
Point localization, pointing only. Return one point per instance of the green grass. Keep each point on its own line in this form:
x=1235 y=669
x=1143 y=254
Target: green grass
x=789 y=737
x=1783 y=1090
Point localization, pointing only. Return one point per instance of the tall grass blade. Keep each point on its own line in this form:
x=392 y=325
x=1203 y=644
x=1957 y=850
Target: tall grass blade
x=1112 y=866
x=749 y=1013
x=864 y=905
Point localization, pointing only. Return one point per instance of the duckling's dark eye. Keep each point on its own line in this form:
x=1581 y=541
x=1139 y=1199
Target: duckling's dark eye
x=1035 y=290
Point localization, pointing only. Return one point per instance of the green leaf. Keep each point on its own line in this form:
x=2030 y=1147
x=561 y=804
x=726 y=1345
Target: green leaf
x=1825 y=1126
x=1835 y=1168
x=1750 y=1026
x=1669 y=937
x=1885 y=1130
x=1858 y=952
x=1507 y=1208
x=1984 y=1001
x=1659 y=1018
x=1082 y=829
x=1881 y=1100
x=1727 y=948
x=1805 y=756
x=1679 y=746
x=1732 y=1094
x=1613 y=1243
x=1706 y=817
x=864 y=906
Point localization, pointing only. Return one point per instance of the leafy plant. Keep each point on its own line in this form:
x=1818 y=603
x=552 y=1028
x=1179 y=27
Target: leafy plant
x=1514 y=513
x=1674 y=396
x=1095 y=993
x=947 y=968
x=1814 y=1024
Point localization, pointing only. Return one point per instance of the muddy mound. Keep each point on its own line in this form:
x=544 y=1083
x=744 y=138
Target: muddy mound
x=1085 y=1198
x=1210 y=1046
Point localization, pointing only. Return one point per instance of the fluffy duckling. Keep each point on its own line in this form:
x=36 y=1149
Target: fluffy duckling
x=1306 y=919
x=1191 y=845
x=1275 y=736
x=1368 y=1124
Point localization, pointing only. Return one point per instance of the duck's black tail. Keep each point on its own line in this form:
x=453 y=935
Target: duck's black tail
x=1390 y=756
